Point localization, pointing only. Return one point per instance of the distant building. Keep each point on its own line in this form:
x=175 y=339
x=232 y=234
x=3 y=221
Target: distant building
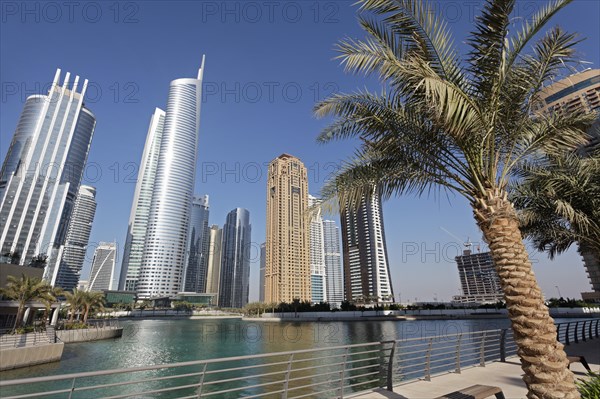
x=578 y=92
x=42 y=172
x=261 y=275
x=213 y=274
x=318 y=284
x=287 y=267
x=103 y=267
x=333 y=263
x=198 y=242
x=140 y=207
x=367 y=276
x=478 y=279
x=72 y=254
x=235 y=263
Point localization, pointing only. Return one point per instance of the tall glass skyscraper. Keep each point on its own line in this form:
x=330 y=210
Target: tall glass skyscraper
x=198 y=242
x=42 y=171
x=333 y=263
x=366 y=270
x=103 y=267
x=164 y=254
x=140 y=208
x=72 y=254
x=317 y=254
x=235 y=264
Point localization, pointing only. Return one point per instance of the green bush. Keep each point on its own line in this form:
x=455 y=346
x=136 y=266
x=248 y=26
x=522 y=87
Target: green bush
x=589 y=388
x=76 y=326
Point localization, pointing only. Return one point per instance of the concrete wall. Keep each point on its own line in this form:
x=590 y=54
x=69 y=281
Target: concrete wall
x=12 y=358
x=89 y=334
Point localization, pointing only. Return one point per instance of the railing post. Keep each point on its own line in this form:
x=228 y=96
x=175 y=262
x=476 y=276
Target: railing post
x=390 y=368
x=343 y=373
x=457 y=354
x=428 y=361
x=482 y=351
x=567 y=341
x=590 y=335
x=558 y=332
x=576 y=332
x=287 y=377
x=583 y=331
x=72 y=388
x=597 y=323
x=503 y=345
x=202 y=381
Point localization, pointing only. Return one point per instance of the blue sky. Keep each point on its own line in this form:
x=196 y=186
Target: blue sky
x=267 y=63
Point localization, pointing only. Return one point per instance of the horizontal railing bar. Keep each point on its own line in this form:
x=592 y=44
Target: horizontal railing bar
x=33 y=395
x=169 y=389
x=115 y=384
x=327 y=365
x=248 y=367
x=243 y=377
x=315 y=394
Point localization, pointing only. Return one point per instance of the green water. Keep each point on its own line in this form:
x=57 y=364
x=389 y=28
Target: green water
x=159 y=341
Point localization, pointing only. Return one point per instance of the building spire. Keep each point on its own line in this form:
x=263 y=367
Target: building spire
x=201 y=70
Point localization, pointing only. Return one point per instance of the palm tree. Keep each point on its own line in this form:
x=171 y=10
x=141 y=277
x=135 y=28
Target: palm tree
x=91 y=301
x=559 y=203
x=49 y=298
x=24 y=290
x=75 y=302
x=461 y=125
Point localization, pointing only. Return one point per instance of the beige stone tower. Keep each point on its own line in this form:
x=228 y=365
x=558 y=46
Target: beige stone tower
x=287 y=268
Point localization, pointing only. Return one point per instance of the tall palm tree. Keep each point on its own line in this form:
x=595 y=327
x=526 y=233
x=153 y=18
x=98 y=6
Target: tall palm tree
x=559 y=203
x=24 y=290
x=91 y=301
x=461 y=124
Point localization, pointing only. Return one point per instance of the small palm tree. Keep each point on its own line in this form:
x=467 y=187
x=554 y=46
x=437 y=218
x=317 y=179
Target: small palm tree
x=24 y=290
x=91 y=301
x=75 y=302
x=559 y=203
x=48 y=299
x=461 y=125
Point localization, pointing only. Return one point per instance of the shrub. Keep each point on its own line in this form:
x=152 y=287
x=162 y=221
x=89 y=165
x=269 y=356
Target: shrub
x=589 y=388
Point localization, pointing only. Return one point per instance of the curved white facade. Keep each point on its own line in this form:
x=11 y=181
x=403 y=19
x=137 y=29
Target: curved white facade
x=163 y=261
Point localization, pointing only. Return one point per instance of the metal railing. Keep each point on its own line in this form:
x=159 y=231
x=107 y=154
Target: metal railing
x=577 y=331
x=22 y=340
x=320 y=372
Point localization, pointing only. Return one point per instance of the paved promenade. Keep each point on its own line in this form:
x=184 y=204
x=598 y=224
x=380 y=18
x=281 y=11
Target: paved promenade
x=504 y=375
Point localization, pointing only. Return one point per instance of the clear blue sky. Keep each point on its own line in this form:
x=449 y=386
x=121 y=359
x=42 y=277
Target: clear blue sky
x=266 y=65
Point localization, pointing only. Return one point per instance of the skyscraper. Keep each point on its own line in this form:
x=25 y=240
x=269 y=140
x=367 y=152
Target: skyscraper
x=163 y=257
x=198 y=241
x=140 y=207
x=478 y=278
x=42 y=171
x=287 y=270
x=317 y=254
x=72 y=254
x=366 y=269
x=213 y=275
x=261 y=272
x=333 y=263
x=235 y=264
x=576 y=93
x=103 y=267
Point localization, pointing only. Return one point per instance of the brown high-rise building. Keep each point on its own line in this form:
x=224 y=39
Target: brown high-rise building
x=287 y=266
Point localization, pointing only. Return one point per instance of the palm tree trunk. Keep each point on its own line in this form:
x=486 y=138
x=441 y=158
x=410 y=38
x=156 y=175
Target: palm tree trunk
x=542 y=357
x=20 y=312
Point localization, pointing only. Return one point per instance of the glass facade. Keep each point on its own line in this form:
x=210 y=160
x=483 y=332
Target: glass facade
x=235 y=264
x=198 y=241
x=42 y=172
x=103 y=267
x=140 y=208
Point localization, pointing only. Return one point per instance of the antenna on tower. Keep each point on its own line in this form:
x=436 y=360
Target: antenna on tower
x=468 y=244
x=201 y=70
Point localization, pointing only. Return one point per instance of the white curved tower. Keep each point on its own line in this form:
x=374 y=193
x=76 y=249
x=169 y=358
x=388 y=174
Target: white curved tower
x=161 y=273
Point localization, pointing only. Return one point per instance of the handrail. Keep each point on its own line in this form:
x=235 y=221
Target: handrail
x=338 y=370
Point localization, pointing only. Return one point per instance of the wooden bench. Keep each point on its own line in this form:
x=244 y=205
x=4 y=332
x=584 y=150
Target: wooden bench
x=474 y=392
